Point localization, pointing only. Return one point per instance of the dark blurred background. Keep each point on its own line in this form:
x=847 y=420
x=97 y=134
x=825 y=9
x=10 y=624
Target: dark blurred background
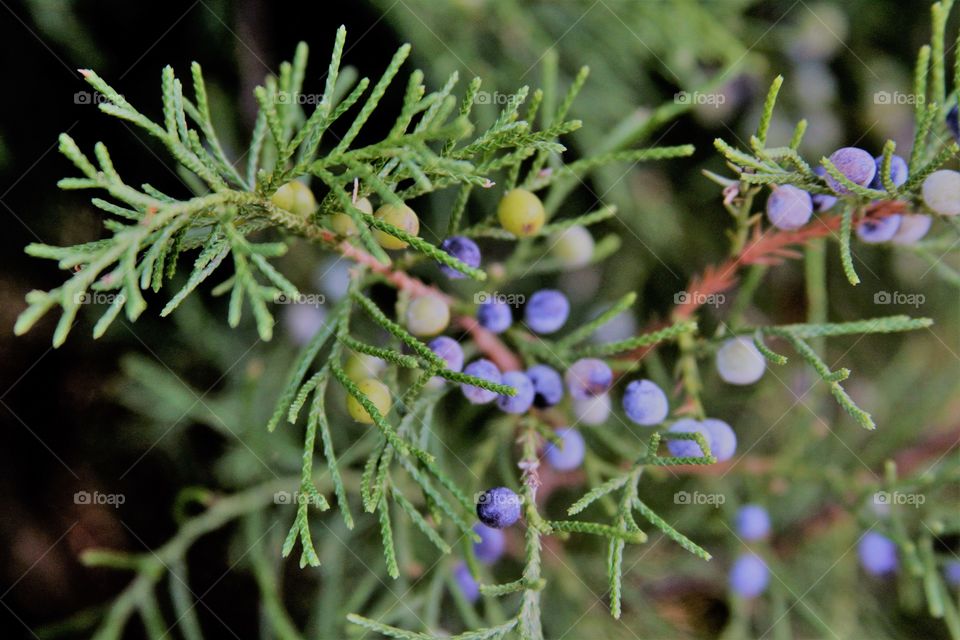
x=63 y=430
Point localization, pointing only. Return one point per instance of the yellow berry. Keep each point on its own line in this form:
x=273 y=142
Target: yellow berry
x=377 y=392
x=399 y=216
x=573 y=246
x=344 y=225
x=521 y=213
x=296 y=198
x=427 y=315
x=361 y=366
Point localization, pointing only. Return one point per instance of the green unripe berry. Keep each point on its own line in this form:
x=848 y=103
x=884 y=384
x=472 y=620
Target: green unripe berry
x=361 y=366
x=399 y=216
x=521 y=213
x=296 y=198
x=379 y=395
x=573 y=246
x=344 y=225
x=427 y=315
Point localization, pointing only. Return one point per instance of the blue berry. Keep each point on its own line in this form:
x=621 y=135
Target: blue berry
x=951 y=570
x=547 y=385
x=941 y=192
x=855 y=164
x=588 y=377
x=466 y=583
x=740 y=362
x=953 y=124
x=450 y=350
x=592 y=411
x=822 y=201
x=463 y=249
x=303 y=321
x=492 y=543
x=878 y=554
x=522 y=401
x=569 y=456
x=495 y=316
x=879 y=229
x=899 y=171
x=498 y=507
x=487 y=371
x=912 y=228
x=546 y=311
x=645 y=403
x=722 y=439
x=752 y=522
x=749 y=576
x=687 y=448
x=788 y=207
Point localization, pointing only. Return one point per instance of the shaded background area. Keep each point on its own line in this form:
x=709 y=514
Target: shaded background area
x=64 y=429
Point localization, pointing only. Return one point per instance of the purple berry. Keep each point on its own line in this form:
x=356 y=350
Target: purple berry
x=752 y=522
x=450 y=350
x=740 y=362
x=822 y=201
x=878 y=554
x=953 y=124
x=569 y=456
x=463 y=249
x=466 y=583
x=912 y=228
x=788 y=207
x=855 y=164
x=495 y=316
x=491 y=546
x=546 y=311
x=547 y=385
x=879 y=229
x=898 y=172
x=687 y=448
x=303 y=321
x=485 y=370
x=588 y=377
x=521 y=402
x=593 y=411
x=498 y=507
x=951 y=570
x=645 y=403
x=721 y=437
x=749 y=576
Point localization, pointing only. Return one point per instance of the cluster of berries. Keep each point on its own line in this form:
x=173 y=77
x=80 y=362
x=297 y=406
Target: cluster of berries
x=749 y=576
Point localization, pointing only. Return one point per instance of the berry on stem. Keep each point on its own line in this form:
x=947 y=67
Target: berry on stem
x=592 y=411
x=752 y=522
x=588 y=377
x=573 y=247
x=749 y=576
x=822 y=201
x=450 y=350
x=912 y=228
x=941 y=192
x=722 y=439
x=427 y=315
x=344 y=225
x=788 y=207
x=522 y=401
x=495 y=316
x=302 y=322
x=360 y=366
x=899 y=172
x=687 y=448
x=485 y=370
x=570 y=455
x=492 y=543
x=400 y=216
x=645 y=403
x=740 y=362
x=296 y=198
x=463 y=249
x=547 y=385
x=855 y=164
x=379 y=395
x=466 y=582
x=498 y=507
x=878 y=554
x=521 y=213
x=546 y=311
x=877 y=230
